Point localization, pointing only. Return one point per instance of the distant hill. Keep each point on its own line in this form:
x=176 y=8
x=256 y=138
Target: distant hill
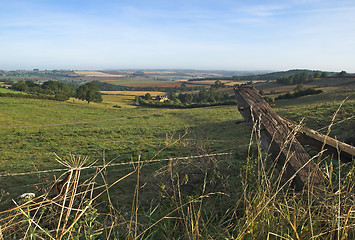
x=267 y=76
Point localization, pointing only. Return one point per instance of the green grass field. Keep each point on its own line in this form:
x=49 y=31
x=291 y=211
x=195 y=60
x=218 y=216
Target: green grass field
x=119 y=133
x=29 y=137
x=33 y=130
x=5 y=90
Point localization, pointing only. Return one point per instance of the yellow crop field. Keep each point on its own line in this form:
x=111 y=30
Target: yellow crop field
x=97 y=74
x=133 y=93
x=208 y=82
x=229 y=83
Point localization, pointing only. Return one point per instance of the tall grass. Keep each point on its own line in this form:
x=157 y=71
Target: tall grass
x=194 y=199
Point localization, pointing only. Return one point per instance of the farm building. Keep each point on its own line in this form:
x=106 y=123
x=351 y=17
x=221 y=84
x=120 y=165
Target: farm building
x=162 y=98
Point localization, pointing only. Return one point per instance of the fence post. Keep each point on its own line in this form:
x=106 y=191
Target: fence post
x=277 y=139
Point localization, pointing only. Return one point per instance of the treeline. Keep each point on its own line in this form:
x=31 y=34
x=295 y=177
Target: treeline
x=305 y=77
x=170 y=104
x=111 y=87
x=30 y=96
x=294 y=79
x=299 y=92
x=266 y=76
x=55 y=90
x=38 y=73
x=286 y=77
x=203 y=98
x=60 y=91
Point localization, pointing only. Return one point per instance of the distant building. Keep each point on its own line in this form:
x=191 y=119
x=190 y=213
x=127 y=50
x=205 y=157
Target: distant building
x=162 y=98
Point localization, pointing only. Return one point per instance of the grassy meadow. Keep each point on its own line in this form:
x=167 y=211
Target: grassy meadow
x=209 y=198
x=33 y=130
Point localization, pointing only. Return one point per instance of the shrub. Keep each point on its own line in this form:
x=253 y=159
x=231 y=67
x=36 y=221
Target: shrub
x=299 y=93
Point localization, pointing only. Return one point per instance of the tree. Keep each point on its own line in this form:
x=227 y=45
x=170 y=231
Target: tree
x=20 y=86
x=202 y=95
x=299 y=88
x=303 y=77
x=89 y=92
x=185 y=98
x=218 y=84
x=173 y=96
x=147 y=96
x=316 y=74
x=342 y=74
x=324 y=75
x=61 y=90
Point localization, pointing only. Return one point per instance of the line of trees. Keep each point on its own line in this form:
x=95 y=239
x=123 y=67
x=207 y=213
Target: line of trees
x=294 y=79
x=204 y=97
x=60 y=91
x=299 y=91
x=305 y=77
x=111 y=87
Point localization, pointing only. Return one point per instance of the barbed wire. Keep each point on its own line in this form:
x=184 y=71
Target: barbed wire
x=117 y=164
x=136 y=162
x=338 y=122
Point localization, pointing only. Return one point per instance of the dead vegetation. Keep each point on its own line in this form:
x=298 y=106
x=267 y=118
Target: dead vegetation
x=207 y=198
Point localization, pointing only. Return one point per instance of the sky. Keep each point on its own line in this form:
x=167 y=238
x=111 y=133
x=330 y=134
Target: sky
x=178 y=34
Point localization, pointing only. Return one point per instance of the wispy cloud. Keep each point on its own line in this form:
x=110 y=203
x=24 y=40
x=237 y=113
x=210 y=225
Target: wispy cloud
x=203 y=34
x=261 y=10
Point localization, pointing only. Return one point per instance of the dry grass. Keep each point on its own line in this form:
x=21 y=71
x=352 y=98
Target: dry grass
x=97 y=74
x=154 y=84
x=205 y=199
x=208 y=82
x=134 y=93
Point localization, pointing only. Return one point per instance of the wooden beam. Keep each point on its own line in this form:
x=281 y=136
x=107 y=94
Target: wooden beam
x=315 y=140
x=277 y=139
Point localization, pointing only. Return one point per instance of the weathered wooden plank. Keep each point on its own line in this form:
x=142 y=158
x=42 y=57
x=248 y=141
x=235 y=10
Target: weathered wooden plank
x=315 y=140
x=278 y=140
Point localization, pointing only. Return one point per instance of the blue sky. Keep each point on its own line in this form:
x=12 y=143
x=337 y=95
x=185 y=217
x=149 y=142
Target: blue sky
x=186 y=34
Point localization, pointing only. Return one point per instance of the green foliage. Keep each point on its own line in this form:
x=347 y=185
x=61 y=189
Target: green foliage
x=299 y=92
x=342 y=74
x=59 y=90
x=294 y=79
x=33 y=96
x=89 y=223
x=324 y=75
x=203 y=98
x=237 y=197
x=89 y=92
x=185 y=98
x=147 y=96
x=218 y=84
x=268 y=99
x=317 y=74
x=299 y=88
x=266 y=76
x=104 y=86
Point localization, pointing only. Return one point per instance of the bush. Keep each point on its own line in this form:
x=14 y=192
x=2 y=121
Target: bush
x=178 y=104
x=34 y=96
x=299 y=93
